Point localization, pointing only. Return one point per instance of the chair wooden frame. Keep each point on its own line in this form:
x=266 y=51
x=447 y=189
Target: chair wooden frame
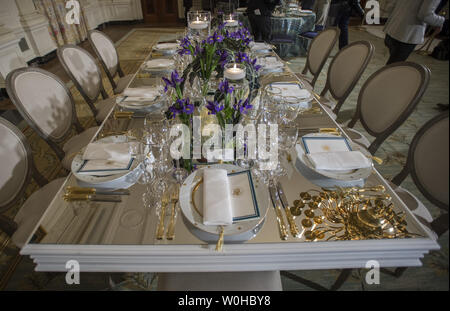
x=52 y=142
x=102 y=62
x=32 y=172
x=89 y=101
x=325 y=58
x=381 y=137
x=341 y=100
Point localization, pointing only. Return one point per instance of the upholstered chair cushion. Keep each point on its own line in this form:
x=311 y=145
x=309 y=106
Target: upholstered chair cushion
x=75 y=144
x=107 y=51
x=431 y=161
x=104 y=107
x=14 y=166
x=391 y=92
x=45 y=101
x=122 y=83
x=220 y=281
x=320 y=49
x=32 y=211
x=84 y=69
x=345 y=68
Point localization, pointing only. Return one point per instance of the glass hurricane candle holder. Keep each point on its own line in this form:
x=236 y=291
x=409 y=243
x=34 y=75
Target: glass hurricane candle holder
x=231 y=20
x=199 y=24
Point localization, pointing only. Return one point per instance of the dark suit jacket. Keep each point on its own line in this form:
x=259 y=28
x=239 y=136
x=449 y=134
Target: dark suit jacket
x=265 y=6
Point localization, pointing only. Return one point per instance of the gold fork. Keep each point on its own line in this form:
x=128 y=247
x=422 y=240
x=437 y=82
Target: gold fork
x=162 y=215
x=171 y=230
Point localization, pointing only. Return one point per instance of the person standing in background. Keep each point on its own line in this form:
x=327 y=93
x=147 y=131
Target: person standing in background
x=259 y=12
x=340 y=13
x=307 y=4
x=406 y=26
x=321 y=8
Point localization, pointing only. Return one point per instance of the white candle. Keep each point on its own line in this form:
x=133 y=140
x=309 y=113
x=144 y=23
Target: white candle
x=234 y=73
x=198 y=24
x=231 y=23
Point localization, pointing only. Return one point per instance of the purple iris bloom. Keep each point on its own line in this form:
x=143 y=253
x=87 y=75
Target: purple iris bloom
x=184 y=52
x=253 y=63
x=217 y=38
x=210 y=40
x=198 y=50
x=174 y=80
x=242 y=57
x=214 y=107
x=185 y=42
x=243 y=106
x=225 y=87
x=188 y=108
x=223 y=54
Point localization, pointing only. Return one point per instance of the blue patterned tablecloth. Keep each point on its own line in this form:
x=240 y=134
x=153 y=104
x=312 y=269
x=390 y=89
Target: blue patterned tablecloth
x=291 y=26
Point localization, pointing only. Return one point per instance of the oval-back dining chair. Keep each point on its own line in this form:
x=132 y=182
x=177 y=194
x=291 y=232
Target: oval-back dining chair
x=428 y=166
x=86 y=75
x=344 y=72
x=47 y=106
x=106 y=52
x=318 y=52
x=386 y=100
x=16 y=172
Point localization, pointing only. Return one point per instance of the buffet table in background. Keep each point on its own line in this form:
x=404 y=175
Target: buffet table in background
x=288 y=26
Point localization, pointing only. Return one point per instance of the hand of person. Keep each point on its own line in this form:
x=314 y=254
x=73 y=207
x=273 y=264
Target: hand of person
x=437 y=30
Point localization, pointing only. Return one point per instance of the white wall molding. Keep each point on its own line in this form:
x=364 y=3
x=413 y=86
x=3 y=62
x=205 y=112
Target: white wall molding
x=10 y=54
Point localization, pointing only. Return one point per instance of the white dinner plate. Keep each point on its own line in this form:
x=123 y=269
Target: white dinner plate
x=346 y=176
x=240 y=230
x=124 y=179
x=159 y=64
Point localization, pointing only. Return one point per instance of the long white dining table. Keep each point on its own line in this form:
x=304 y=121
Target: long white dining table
x=121 y=237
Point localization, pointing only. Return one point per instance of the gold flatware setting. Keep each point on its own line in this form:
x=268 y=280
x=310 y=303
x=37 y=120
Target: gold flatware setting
x=290 y=218
x=279 y=215
x=174 y=200
x=162 y=214
x=79 y=194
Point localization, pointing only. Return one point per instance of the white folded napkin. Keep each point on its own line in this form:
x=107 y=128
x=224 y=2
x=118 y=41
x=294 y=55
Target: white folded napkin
x=159 y=63
x=269 y=62
x=339 y=161
x=117 y=152
x=166 y=46
x=147 y=93
x=217 y=208
x=292 y=89
x=260 y=46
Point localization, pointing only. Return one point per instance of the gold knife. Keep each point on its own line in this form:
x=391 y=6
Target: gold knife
x=281 y=224
x=293 y=226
